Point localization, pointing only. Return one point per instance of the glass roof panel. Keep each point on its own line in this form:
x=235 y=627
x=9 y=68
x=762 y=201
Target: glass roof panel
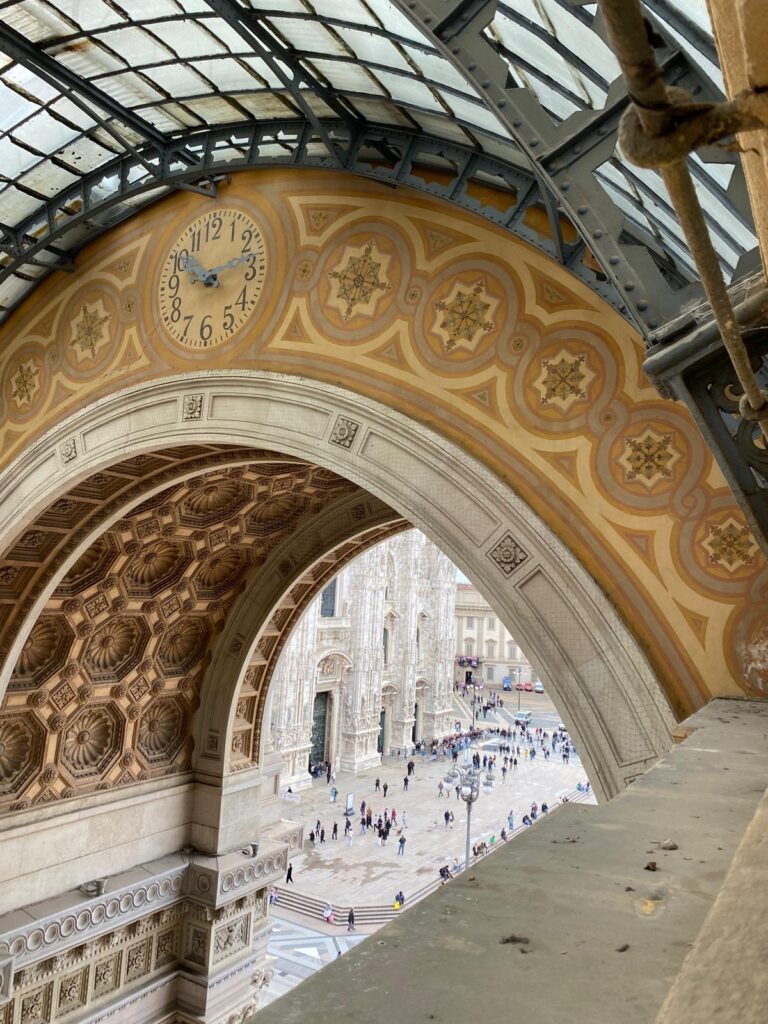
x=156 y=71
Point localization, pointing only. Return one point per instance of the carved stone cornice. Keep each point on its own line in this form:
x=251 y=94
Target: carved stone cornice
x=209 y=885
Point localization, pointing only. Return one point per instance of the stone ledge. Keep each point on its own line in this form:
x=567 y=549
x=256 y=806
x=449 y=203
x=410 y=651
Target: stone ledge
x=604 y=938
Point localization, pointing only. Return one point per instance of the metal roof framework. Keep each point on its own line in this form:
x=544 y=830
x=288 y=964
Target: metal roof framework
x=107 y=105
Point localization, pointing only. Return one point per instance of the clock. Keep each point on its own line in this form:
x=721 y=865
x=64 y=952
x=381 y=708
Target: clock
x=212 y=278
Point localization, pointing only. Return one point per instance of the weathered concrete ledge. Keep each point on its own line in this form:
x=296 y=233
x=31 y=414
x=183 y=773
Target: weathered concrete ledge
x=602 y=938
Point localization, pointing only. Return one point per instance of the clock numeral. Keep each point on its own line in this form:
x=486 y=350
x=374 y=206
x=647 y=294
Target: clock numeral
x=206 y=330
x=229 y=318
x=242 y=299
x=216 y=224
x=173 y=283
x=247 y=238
x=195 y=240
x=187 y=321
x=179 y=260
x=176 y=309
x=251 y=271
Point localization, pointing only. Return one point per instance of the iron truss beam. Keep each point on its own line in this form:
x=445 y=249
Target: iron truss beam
x=18 y=48
x=398 y=156
x=286 y=65
x=564 y=157
x=691 y=364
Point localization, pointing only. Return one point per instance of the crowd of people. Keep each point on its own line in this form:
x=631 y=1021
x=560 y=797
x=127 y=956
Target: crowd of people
x=509 y=747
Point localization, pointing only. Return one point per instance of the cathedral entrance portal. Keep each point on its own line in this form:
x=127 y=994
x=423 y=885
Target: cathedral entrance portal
x=382 y=730
x=318 y=751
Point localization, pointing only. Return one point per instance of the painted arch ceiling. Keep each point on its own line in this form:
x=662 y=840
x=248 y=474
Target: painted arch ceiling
x=107 y=105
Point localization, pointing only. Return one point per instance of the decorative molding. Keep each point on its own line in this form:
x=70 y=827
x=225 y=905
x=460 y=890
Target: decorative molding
x=68 y=450
x=92 y=918
x=192 y=407
x=344 y=432
x=508 y=554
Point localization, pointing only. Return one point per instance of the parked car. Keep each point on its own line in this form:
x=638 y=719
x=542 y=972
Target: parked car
x=519 y=686
x=506 y=683
x=528 y=687
x=538 y=686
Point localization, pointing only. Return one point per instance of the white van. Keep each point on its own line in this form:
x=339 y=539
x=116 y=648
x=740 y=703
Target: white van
x=523 y=718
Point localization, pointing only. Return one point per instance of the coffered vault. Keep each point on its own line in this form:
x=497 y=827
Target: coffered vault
x=108 y=678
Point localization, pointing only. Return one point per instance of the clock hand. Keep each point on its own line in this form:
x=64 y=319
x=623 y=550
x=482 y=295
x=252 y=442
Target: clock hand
x=230 y=263
x=190 y=263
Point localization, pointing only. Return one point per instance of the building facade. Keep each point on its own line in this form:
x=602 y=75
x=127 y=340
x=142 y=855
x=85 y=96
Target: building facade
x=478 y=633
x=369 y=667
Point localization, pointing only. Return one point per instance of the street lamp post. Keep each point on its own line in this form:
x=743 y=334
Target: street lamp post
x=469 y=780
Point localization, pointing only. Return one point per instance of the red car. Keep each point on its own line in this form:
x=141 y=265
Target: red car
x=519 y=686
x=528 y=687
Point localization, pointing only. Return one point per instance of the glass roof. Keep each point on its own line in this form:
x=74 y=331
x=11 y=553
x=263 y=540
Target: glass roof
x=85 y=84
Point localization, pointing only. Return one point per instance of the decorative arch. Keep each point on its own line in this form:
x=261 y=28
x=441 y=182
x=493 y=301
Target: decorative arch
x=542 y=384
x=602 y=683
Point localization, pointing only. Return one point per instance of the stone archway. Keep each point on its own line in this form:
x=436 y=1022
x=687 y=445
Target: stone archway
x=600 y=679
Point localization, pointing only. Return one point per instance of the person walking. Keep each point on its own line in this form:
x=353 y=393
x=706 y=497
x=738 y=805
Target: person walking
x=322 y=835
x=440 y=788
x=447 y=817
x=347 y=826
x=351 y=920
x=401 y=846
x=384 y=788
x=405 y=784
x=335 y=830
x=405 y=820
x=451 y=819
x=363 y=826
x=458 y=792
x=377 y=784
x=289 y=875
x=349 y=840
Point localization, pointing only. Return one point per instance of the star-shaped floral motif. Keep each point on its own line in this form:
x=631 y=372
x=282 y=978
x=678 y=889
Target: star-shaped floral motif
x=359 y=280
x=649 y=457
x=465 y=316
x=25 y=383
x=89 y=334
x=564 y=379
x=730 y=545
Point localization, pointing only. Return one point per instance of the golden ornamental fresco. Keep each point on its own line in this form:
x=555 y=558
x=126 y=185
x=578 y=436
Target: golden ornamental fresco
x=450 y=321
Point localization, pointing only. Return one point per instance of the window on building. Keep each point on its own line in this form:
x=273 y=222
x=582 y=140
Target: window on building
x=490 y=649
x=511 y=673
x=469 y=647
x=470 y=622
x=328 y=601
x=511 y=652
x=385 y=644
x=489 y=673
x=491 y=623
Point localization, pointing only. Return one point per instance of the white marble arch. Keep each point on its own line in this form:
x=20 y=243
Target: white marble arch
x=592 y=665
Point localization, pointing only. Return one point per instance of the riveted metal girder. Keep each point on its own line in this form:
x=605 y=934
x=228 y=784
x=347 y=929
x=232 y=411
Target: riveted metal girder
x=566 y=156
x=442 y=169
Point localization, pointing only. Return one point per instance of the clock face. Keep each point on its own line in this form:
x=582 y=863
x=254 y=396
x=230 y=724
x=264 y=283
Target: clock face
x=212 y=278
